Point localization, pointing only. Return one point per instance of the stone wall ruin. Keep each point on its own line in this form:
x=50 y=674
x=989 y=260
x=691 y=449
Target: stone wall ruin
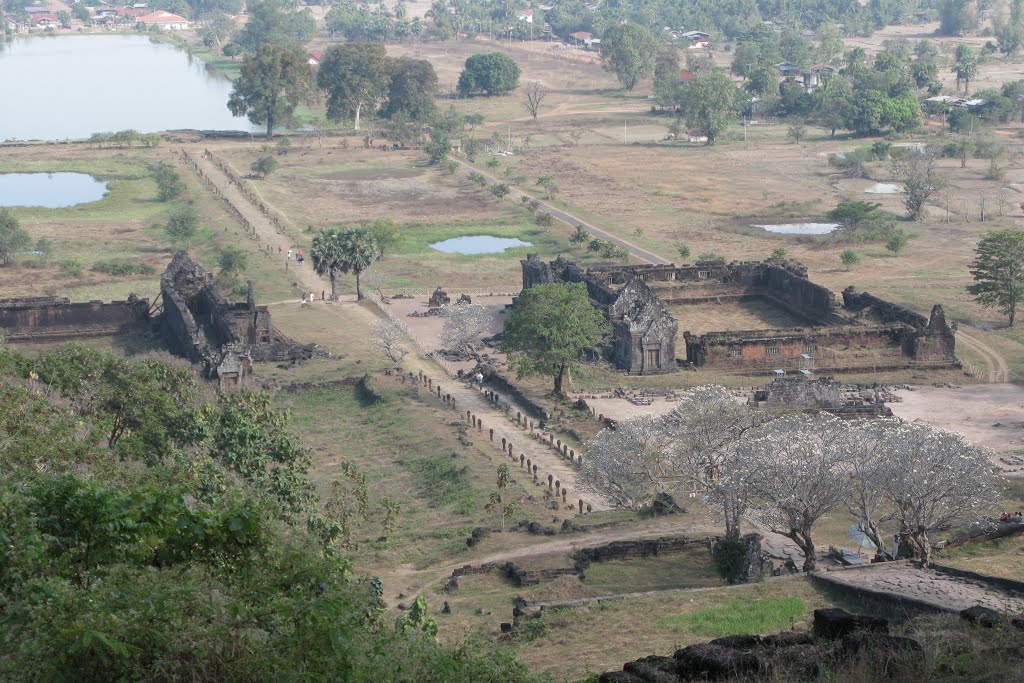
x=221 y=336
x=860 y=332
x=51 y=318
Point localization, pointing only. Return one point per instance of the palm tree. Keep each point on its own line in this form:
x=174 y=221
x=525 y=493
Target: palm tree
x=965 y=66
x=327 y=256
x=358 y=249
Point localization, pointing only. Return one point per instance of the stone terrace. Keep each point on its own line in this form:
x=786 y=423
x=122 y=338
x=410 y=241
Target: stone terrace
x=933 y=587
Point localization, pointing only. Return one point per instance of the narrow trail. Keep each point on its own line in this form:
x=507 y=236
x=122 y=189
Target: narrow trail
x=998 y=368
x=570 y=219
x=467 y=397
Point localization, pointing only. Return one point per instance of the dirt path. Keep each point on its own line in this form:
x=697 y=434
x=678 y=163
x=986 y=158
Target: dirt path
x=995 y=363
x=531 y=443
x=570 y=219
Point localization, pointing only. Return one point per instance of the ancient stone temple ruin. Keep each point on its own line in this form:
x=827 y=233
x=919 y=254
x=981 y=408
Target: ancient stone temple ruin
x=51 y=318
x=749 y=317
x=225 y=338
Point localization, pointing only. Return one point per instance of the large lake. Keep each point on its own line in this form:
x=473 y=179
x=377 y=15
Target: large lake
x=60 y=87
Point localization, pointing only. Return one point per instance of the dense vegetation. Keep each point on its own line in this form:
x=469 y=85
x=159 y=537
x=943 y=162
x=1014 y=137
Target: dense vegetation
x=150 y=531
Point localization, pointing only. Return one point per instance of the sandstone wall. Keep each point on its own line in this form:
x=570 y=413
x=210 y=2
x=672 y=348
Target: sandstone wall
x=53 y=318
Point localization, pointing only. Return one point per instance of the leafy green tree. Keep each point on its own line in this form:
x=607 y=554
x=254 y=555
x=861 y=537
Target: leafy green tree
x=168 y=182
x=866 y=111
x=355 y=75
x=965 y=67
x=852 y=215
x=548 y=328
x=272 y=82
x=386 y=235
x=500 y=190
x=182 y=227
x=683 y=251
x=921 y=180
x=998 y=271
x=849 y=258
x=493 y=73
x=273 y=22
x=901 y=113
x=264 y=166
x=13 y=238
x=411 y=90
x=232 y=259
x=327 y=256
x=250 y=438
x=666 y=76
x=957 y=17
x=232 y=50
x=708 y=103
x=630 y=51
x=439 y=147
x=897 y=241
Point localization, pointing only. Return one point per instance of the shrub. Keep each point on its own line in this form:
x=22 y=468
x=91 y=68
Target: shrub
x=544 y=219
x=711 y=257
x=123 y=268
x=70 y=268
x=478 y=178
x=779 y=253
x=500 y=190
x=264 y=166
x=580 y=236
x=168 y=182
x=729 y=555
x=897 y=241
x=683 y=251
x=849 y=258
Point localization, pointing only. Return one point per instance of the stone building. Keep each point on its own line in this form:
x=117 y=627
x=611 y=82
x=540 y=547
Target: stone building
x=224 y=337
x=646 y=304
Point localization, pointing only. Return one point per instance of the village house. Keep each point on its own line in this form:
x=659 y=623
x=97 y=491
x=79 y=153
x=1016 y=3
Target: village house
x=698 y=40
x=165 y=20
x=524 y=15
x=816 y=76
x=44 y=19
x=316 y=57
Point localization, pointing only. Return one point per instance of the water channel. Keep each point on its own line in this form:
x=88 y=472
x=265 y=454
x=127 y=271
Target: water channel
x=49 y=190
x=60 y=87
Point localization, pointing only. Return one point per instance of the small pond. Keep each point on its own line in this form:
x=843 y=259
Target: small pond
x=884 y=188
x=478 y=244
x=49 y=190
x=800 y=228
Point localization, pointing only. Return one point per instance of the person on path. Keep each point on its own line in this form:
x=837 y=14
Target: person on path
x=323 y=295
x=289 y=254
x=479 y=379
x=279 y=249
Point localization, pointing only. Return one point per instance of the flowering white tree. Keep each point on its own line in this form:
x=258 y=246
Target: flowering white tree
x=630 y=464
x=868 y=464
x=391 y=339
x=705 y=429
x=462 y=324
x=934 y=480
x=793 y=473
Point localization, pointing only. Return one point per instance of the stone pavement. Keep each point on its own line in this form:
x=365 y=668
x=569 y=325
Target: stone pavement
x=903 y=579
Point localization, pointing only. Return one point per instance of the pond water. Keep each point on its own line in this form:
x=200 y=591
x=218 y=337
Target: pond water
x=61 y=87
x=50 y=190
x=884 y=188
x=801 y=228
x=478 y=244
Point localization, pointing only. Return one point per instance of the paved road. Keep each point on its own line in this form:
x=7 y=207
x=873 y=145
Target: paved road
x=636 y=251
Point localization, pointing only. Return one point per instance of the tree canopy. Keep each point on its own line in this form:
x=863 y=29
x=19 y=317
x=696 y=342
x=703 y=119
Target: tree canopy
x=493 y=73
x=149 y=558
x=998 y=271
x=549 y=327
x=355 y=75
x=630 y=51
x=271 y=84
x=13 y=238
x=272 y=21
x=708 y=103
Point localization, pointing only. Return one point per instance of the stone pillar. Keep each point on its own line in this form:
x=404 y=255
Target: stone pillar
x=535 y=473
x=572 y=454
x=558 y=486
x=551 y=480
x=564 y=493
x=510 y=450
x=503 y=443
x=589 y=508
x=522 y=458
x=581 y=506
x=492 y=435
